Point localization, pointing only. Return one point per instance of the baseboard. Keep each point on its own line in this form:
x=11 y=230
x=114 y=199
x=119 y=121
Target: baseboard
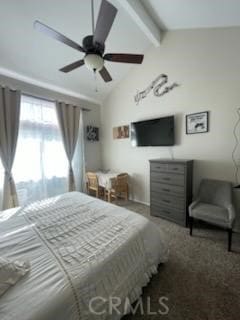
x=142 y=202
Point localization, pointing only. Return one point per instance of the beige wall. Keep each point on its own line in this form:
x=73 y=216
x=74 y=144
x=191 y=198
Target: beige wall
x=206 y=63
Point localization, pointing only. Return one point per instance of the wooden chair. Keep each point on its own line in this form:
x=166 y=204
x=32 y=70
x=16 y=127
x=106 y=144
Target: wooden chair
x=92 y=184
x=119 y=188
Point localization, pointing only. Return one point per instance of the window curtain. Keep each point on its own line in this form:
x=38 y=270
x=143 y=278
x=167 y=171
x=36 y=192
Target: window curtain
x=9 y=124
x=1 y=184
x=79 y=157
x=40 y=165
x=68 y=118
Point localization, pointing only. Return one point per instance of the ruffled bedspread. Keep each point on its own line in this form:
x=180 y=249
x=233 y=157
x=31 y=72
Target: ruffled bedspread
x=90 y=251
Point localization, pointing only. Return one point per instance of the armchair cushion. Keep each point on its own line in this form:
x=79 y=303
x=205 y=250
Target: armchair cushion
x=216 y=192
x=211 y=213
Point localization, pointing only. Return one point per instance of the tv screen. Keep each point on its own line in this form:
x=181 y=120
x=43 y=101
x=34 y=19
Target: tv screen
x=155 y=132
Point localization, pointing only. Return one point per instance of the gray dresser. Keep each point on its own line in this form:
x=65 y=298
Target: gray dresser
x=171 y=189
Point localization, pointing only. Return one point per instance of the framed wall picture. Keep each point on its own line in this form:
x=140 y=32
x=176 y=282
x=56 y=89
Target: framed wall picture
x=121 y=132
x=92 y=133
x=197 y=122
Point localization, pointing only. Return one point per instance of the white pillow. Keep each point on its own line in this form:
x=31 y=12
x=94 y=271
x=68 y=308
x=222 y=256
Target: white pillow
x=11 y=272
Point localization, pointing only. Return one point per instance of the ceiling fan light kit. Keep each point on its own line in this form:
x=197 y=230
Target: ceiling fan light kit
x=93 y=62
x=93 y=45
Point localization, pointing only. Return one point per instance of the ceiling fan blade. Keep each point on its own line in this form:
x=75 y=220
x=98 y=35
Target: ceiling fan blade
x=104 y=23
x=56 y=35
x=122 y=57
x=105 y=75
x=72 y=66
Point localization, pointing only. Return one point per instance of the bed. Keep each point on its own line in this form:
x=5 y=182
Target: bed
x=82 y=251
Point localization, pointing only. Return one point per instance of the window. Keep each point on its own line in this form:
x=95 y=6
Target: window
x=40 y=165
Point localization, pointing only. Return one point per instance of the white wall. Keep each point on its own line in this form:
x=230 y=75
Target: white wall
x=93 y=149
x=206 y=63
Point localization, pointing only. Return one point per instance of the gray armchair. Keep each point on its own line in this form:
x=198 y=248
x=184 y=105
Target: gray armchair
x=214 y=205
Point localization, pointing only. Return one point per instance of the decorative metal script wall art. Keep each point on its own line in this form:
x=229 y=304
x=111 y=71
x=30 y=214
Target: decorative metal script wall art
x=158 y=87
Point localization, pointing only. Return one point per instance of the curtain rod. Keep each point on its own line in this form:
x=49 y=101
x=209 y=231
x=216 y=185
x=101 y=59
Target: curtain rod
x=50 y=100
x=42 y=98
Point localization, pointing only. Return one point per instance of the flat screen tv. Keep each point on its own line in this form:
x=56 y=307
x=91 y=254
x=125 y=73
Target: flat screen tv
x=154 y=132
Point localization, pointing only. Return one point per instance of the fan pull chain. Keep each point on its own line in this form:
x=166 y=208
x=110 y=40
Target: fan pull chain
x=95 y=78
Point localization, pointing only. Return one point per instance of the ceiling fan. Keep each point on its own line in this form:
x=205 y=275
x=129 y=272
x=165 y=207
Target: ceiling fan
x=93 y=45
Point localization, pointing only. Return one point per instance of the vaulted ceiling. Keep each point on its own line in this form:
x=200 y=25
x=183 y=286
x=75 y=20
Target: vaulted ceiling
x=192 y=14
x=26 y=53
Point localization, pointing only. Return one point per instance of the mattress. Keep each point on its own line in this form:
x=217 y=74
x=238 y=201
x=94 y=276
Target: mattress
x=82 y=252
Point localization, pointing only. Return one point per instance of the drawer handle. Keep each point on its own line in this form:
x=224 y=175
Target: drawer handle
x=166 y=179
x=166 y=190
x=175 y=169
x=167 y=201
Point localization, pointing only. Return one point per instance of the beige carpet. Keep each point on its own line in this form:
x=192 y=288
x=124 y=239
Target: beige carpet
x=201 y=279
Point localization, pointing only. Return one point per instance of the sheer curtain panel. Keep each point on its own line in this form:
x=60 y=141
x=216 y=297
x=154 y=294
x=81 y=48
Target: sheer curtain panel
x=40 y=166
x=9 y=124
x=68 y=118
x=1 y=184
x=79 y=157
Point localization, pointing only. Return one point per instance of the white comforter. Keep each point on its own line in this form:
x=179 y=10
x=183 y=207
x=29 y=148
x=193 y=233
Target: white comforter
x=79 y=248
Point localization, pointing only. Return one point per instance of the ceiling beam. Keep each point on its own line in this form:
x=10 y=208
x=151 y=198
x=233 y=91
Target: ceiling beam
x=136 y=10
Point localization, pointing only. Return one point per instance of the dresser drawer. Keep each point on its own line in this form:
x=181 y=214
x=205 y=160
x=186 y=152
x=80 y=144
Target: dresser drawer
x=167 y=188
x=167 y=200
x=159 y=167
x=168 y=213
x=168 y=178
x=168 y=167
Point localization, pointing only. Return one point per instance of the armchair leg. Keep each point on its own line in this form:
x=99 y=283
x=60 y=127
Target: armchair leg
x=190 y=225
x=229 y=239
